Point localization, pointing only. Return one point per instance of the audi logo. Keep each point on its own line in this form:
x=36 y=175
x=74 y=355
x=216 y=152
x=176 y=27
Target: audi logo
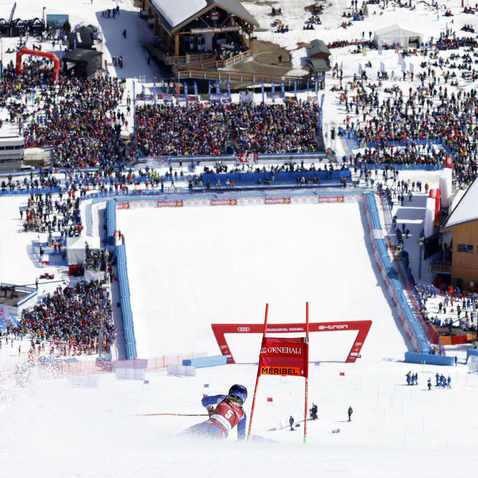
x=243 y=329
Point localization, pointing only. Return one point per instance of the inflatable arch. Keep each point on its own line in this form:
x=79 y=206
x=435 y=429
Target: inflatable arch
x=51 y=56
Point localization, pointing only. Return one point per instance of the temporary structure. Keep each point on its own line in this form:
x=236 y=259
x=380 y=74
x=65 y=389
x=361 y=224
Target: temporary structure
x=394 y=35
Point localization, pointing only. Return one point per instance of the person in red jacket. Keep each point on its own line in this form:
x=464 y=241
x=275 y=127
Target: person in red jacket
x=225 y=413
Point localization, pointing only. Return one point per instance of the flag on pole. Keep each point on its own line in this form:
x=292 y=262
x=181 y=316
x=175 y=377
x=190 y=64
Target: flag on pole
x=209 y=88
x=316 y=86
x=185 y=89
x=295 y=86
x=262 y=90
x=195 y=88
x=228 y=89
x=282 y=86
x=218 y=88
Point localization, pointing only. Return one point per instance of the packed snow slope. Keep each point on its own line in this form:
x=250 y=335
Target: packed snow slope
x=58 y=428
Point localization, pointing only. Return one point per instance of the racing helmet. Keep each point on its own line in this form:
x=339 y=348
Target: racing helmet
x=239 y=392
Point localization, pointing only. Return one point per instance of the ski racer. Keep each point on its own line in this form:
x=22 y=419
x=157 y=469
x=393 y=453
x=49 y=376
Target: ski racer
x=225 y=412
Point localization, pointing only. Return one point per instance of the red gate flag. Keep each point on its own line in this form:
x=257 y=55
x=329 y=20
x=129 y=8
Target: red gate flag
x=281 y=356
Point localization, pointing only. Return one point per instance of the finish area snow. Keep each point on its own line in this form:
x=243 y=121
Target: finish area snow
x=191 y=267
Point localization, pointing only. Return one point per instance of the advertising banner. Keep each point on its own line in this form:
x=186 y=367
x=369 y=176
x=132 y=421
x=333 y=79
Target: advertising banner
x=282 y=356
x=223 y=202
x=169 y=203
x=277 y=200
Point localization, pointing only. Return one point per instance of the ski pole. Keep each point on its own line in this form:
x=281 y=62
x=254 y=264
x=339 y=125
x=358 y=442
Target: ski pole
x=171 y=414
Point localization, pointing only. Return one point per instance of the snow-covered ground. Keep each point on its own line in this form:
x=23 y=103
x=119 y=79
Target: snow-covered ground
x=223 y=264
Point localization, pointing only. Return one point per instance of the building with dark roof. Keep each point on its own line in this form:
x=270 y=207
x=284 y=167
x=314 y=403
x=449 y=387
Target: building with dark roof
x=195 y=26
x=318 y=57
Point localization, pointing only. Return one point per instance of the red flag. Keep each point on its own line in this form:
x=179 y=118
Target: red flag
x=281 y=356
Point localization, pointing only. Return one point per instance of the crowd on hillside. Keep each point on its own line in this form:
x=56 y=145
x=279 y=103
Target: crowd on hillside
x=78 y=117
x=72 y=320
x=200 y=129
x=430 y=110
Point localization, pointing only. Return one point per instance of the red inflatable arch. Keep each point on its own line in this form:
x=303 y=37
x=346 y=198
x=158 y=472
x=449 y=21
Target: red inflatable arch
x=363 y=326
x=51 y=56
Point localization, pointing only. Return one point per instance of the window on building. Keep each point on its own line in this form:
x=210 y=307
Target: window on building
x=465 y=248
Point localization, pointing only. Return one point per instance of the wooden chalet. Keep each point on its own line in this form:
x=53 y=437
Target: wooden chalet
x=463 y=224
x=200 y=27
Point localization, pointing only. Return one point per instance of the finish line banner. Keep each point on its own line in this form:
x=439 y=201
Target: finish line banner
x=281 y=356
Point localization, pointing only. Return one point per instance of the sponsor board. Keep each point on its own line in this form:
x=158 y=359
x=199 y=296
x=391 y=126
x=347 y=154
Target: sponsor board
x=196 y=202
x=253 y=201
x=169 y=203
x=294 y=371
x=331 y=199
x=304 y=200
x=142 y=204
x=122 y=205
x=224 y=202
x=277 y=200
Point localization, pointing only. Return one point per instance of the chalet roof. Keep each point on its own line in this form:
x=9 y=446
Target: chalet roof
x=318 y=64
x=317 y=46
x=466 y=210
x=179 y=13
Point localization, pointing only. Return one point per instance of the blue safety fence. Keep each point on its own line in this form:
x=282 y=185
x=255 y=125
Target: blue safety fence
x=373 y=211
x=277 y=177
x=110 y=221
x=202 y=362
x=412 y=324
x=127 y=313
x=430 y=359
x=469 y=352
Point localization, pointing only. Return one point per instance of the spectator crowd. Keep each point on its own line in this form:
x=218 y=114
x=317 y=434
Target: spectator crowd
x=72 y=320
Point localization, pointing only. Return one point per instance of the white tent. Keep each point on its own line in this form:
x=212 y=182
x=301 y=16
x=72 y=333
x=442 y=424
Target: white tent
x=394 y=35
x=76 y=248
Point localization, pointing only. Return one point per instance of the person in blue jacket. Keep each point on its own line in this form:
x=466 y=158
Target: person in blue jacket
x=225 y=413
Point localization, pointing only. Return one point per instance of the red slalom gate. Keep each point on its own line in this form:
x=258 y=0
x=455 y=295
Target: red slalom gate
x=362 y=326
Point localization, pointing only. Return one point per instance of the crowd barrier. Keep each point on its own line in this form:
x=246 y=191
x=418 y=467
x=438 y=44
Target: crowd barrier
x=202 y=362
x=429 y=359
x=110 y=221
x=471 y=352
x=127 y=314
x=280 y=176
x=411 y=324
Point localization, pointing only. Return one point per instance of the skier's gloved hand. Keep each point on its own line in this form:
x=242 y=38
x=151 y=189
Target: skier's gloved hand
x=210 y=411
